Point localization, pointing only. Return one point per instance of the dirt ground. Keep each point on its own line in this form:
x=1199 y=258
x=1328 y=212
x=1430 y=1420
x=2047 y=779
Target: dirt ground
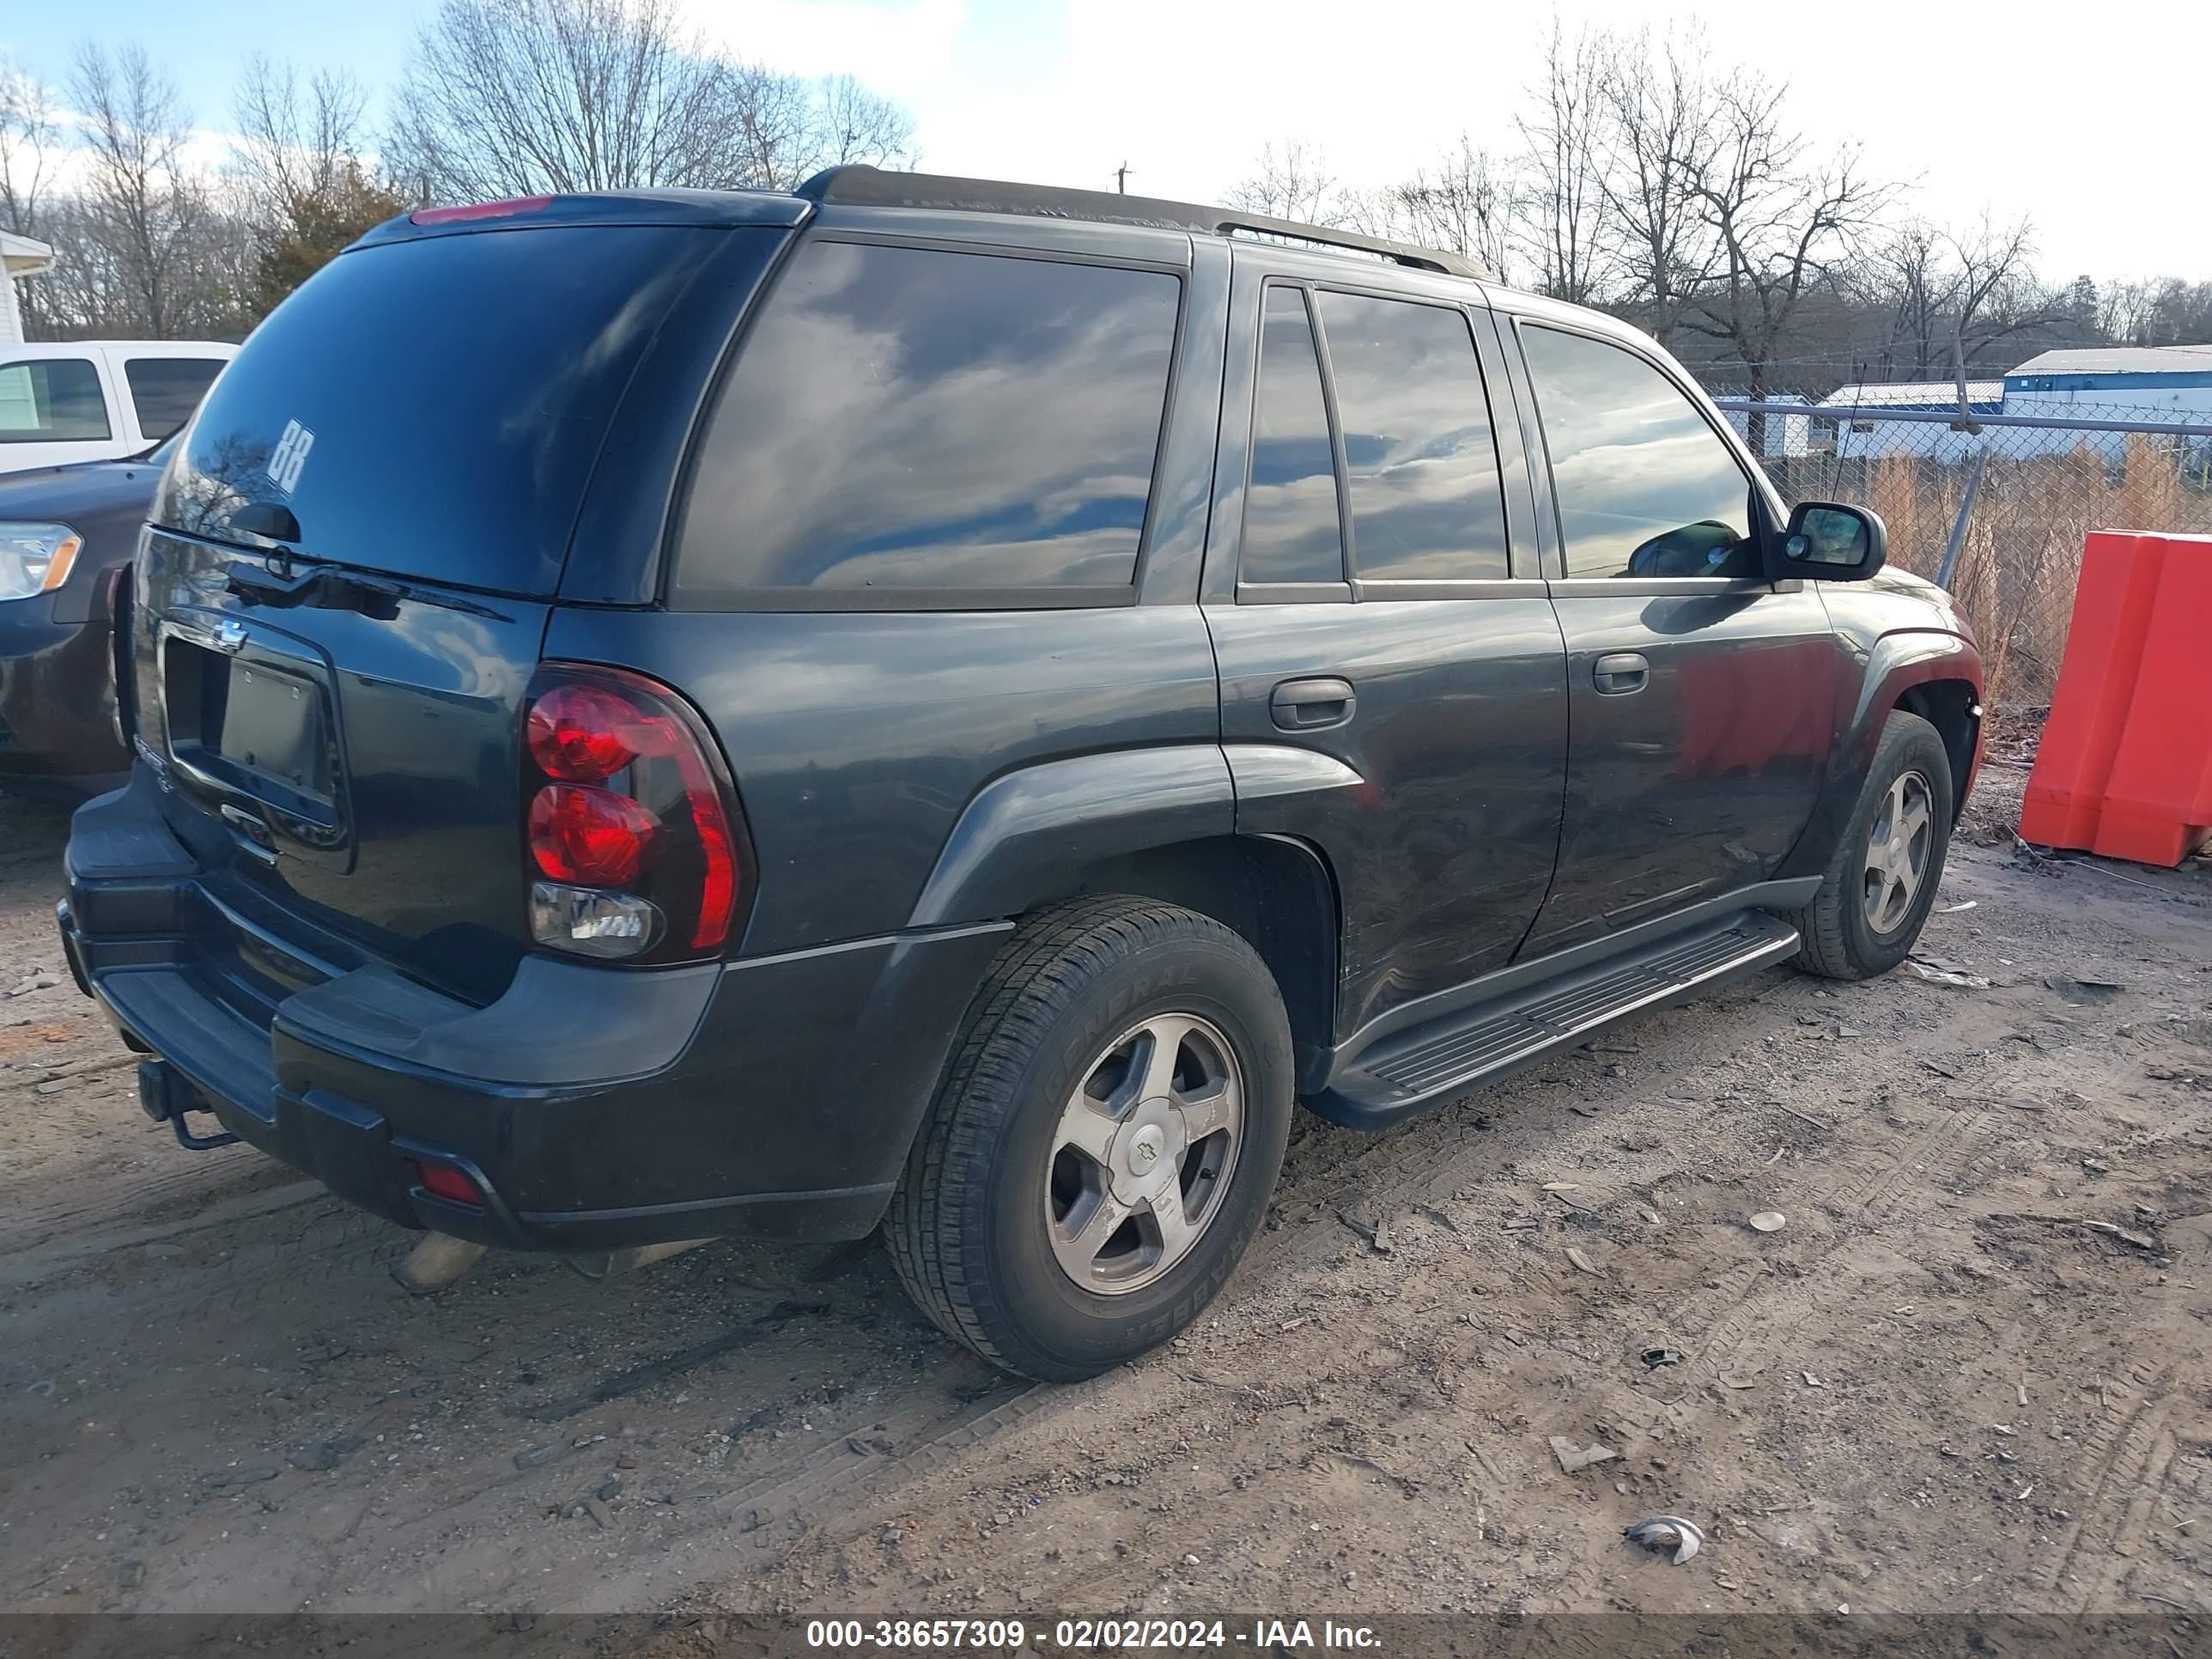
x=1971 y=1372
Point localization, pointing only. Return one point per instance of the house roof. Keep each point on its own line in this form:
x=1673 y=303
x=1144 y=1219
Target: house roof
x=1916 y=394
x=2121 y=359
x=21 y=256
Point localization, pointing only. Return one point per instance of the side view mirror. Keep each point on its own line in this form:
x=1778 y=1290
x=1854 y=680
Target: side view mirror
x=1828 y=541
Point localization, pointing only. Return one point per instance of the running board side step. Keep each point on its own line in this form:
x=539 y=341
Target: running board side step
x=1431 y=1064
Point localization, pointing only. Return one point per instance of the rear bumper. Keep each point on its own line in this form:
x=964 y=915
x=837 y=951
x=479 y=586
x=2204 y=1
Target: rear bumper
x=592 y=1108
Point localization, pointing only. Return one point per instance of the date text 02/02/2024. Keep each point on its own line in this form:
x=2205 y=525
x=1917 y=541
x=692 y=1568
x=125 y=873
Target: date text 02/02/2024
x=1082 y=1634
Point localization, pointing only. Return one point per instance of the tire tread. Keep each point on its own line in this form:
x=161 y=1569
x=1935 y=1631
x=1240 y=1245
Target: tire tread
x=1824 y=948
x=1054 y=953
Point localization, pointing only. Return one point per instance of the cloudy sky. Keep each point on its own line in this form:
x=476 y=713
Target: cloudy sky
x=2090 y=118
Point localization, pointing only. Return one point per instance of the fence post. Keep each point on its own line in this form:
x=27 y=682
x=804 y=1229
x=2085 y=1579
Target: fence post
x=1958 y=525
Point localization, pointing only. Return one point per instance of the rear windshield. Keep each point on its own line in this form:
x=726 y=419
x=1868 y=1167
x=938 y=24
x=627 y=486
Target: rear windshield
x=432 y=407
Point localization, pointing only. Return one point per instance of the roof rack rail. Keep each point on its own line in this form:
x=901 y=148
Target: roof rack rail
x=868 y=187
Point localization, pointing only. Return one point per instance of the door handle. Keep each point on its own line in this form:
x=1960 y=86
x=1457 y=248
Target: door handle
x=1618 y=672
x=1312 y=705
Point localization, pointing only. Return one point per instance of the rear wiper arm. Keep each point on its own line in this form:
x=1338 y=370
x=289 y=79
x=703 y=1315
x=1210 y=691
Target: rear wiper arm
x=316 y=588
x=333 y=587
x=324 y=584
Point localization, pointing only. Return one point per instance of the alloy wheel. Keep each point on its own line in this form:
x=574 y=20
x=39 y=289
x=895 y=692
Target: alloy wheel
x=1143 y=1154
x=1899 y=848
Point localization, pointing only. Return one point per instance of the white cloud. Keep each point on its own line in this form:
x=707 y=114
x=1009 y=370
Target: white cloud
x=1186 y=92
x=69 y=162
x=896 y=48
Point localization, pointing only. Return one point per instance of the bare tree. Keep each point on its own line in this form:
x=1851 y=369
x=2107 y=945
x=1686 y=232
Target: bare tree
x=792 y=128
x=140 y=209
x=2124 y=310
x=2179 y=313
x=1655 y=137
x=1910 y=283
x=29 y=132
x=511 y=97
x=1950 y=296
x=1995 y=295
x=296 y=142
x=299 y=154
x=1463 y=203
x=1780 y=219
x=1292 y=181
x=855 y=124
x=1562 y=220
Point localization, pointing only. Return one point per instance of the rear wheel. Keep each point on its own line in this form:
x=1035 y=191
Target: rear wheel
x=1105 y=1141
x=1881 y=882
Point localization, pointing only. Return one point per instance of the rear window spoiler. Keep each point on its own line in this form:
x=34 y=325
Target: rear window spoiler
x=611 y=208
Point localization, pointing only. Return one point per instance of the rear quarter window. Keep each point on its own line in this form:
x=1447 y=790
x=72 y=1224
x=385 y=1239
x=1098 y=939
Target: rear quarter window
x=909 y=423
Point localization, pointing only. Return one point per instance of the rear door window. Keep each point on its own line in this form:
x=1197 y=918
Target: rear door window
x=1419 y=458
x=46 y=400
x=432 y=407
x=1294 y=531
x=1646 y=486
x=907 y=421
x=165 y=390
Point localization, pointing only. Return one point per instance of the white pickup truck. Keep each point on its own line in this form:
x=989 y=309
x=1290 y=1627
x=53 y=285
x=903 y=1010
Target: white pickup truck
x=97 y=400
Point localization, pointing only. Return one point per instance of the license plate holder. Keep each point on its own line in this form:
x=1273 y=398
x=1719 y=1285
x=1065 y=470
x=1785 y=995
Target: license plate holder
x=272 y=727
x=255 y=726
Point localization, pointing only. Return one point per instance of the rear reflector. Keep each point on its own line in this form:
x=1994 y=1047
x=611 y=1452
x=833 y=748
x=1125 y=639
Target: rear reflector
x=443 y=1181
x=501 y=209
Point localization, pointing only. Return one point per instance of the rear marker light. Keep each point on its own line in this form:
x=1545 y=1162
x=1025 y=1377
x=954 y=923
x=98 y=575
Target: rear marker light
x=443 y=1181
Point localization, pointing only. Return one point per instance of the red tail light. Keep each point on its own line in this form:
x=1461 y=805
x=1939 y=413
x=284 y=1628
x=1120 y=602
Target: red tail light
x=581 y=732
x=631 y=825
x=581 y=834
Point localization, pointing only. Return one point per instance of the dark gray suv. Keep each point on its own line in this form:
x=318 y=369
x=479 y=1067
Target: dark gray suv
x=935 y=704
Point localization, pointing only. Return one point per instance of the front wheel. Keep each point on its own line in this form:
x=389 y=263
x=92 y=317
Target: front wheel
x=1881 y=882
x=1105 y=1142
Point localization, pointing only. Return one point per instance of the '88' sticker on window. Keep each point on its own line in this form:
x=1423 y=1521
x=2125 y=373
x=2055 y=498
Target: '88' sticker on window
x=286 y=460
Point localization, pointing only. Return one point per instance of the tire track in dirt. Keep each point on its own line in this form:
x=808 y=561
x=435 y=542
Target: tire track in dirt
x=2123 y=1466
x=284 y=1323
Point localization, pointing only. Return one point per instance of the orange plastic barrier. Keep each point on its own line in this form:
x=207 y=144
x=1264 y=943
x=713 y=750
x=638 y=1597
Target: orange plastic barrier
x=2125 y=766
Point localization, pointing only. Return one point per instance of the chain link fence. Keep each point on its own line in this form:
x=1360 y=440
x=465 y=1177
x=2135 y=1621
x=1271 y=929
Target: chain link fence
x=1992 y=503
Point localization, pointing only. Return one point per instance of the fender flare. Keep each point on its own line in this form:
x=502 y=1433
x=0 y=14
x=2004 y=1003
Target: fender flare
x=1898 y=662
x=1011 y=847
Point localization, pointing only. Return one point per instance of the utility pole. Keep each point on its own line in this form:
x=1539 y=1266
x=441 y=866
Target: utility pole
x=1121 y=179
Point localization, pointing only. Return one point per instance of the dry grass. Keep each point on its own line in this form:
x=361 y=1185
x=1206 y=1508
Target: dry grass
x=2021 y=555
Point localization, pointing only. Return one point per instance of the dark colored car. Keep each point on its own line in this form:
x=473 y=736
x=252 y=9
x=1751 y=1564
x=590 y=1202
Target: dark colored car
x=940 y=704
x=66 y=534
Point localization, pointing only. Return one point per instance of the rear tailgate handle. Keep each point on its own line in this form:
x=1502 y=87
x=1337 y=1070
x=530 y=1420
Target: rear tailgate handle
x=1618 y=672
x=1312 y=705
